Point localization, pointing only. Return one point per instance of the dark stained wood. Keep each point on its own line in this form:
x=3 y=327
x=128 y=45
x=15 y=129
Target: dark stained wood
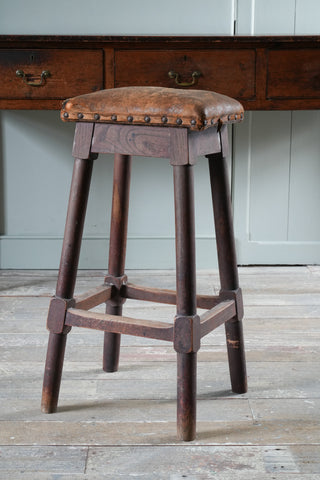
x=79 y=192
x=181 y=145
x=151 y=67
x=186 y=395
x=221 y=198
x=119 y=324
x=185 y=240
x=215 y=317
x=154 y=41
x=207 y=301
x=117 y=254
x=77 y=207
x=133 y=140
x=292 y=74
x=228 y=270
x=186 y=333
x=109 y=67
x=57 y=313
x=261 y=75
x=65 y=67
x=53 y=372
x=203 y=143
x=137 y=292
x=111 y=344
x=148 y=294
x=187 y=323
x=93 y=297
x=237 y=66
x=179 y=151
x=119 y=215
x=82 y=140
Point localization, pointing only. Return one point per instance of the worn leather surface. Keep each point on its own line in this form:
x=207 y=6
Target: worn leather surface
x=193 y=109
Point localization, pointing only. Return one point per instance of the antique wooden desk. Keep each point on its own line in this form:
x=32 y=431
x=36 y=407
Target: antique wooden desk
x=264 y=73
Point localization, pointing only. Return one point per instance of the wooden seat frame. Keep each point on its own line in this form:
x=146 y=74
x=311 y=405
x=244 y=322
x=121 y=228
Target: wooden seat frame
x=182 y=147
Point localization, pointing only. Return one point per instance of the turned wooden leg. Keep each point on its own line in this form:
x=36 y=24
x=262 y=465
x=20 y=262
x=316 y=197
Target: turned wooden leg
x=186 y=332
x=117 y=252
x=186 y=396
x=66 y=282
x=112 y=341
x=228 y=269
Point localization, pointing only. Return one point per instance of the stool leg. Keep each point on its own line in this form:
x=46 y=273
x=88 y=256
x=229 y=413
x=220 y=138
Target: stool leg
x=186 y=396
x=53 y=372
x=117 y=252
x=227 y=266
x=186 y=299
x=66 y=279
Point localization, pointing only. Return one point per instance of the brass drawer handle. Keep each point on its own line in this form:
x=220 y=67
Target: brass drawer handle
x=195 y=75
x=44 y=75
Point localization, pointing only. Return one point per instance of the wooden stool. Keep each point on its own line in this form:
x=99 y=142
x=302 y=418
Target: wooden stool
x=164 y=123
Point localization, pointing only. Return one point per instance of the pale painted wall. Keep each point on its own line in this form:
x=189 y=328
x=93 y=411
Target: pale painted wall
x=276 y=157
x=36 y=162
x=107 y=17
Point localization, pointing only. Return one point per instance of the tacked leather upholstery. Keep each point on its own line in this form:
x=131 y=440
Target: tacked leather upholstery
x=193 y=109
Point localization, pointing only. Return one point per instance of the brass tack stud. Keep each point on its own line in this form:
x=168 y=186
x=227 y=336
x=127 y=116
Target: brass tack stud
x=229 y=117
x=114 y=118
x=66 y=114
x=235 y=117
x=147 y=119
x=193 y=122
x=205 y=122
x=96 y=116
x=179 y=121
x=80 y=116
x=130 y=118
x=164 y=119
x=212 y=121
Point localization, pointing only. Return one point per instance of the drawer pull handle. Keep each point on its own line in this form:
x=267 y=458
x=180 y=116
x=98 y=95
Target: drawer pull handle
x=44 y=75
x=195 y=75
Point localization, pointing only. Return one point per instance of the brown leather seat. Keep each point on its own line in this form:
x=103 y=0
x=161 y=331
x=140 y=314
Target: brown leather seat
x=193 y=109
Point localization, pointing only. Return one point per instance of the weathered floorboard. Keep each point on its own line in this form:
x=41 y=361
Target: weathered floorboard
x=122 y=425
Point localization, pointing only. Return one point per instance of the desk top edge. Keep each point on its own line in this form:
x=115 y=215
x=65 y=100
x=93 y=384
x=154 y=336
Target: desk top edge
x=8 y=41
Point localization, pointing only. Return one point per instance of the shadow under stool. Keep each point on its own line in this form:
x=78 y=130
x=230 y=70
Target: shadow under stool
x=165 y=123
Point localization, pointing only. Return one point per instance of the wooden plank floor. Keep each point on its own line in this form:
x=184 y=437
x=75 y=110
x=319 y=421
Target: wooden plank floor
x=122 y=425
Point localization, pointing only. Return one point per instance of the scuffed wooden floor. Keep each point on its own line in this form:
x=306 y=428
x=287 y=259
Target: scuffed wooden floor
x=122 y=425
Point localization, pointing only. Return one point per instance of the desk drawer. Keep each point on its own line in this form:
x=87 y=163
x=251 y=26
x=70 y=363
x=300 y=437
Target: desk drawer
x=151 y=67
x=71 y=72
x=294 y=74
